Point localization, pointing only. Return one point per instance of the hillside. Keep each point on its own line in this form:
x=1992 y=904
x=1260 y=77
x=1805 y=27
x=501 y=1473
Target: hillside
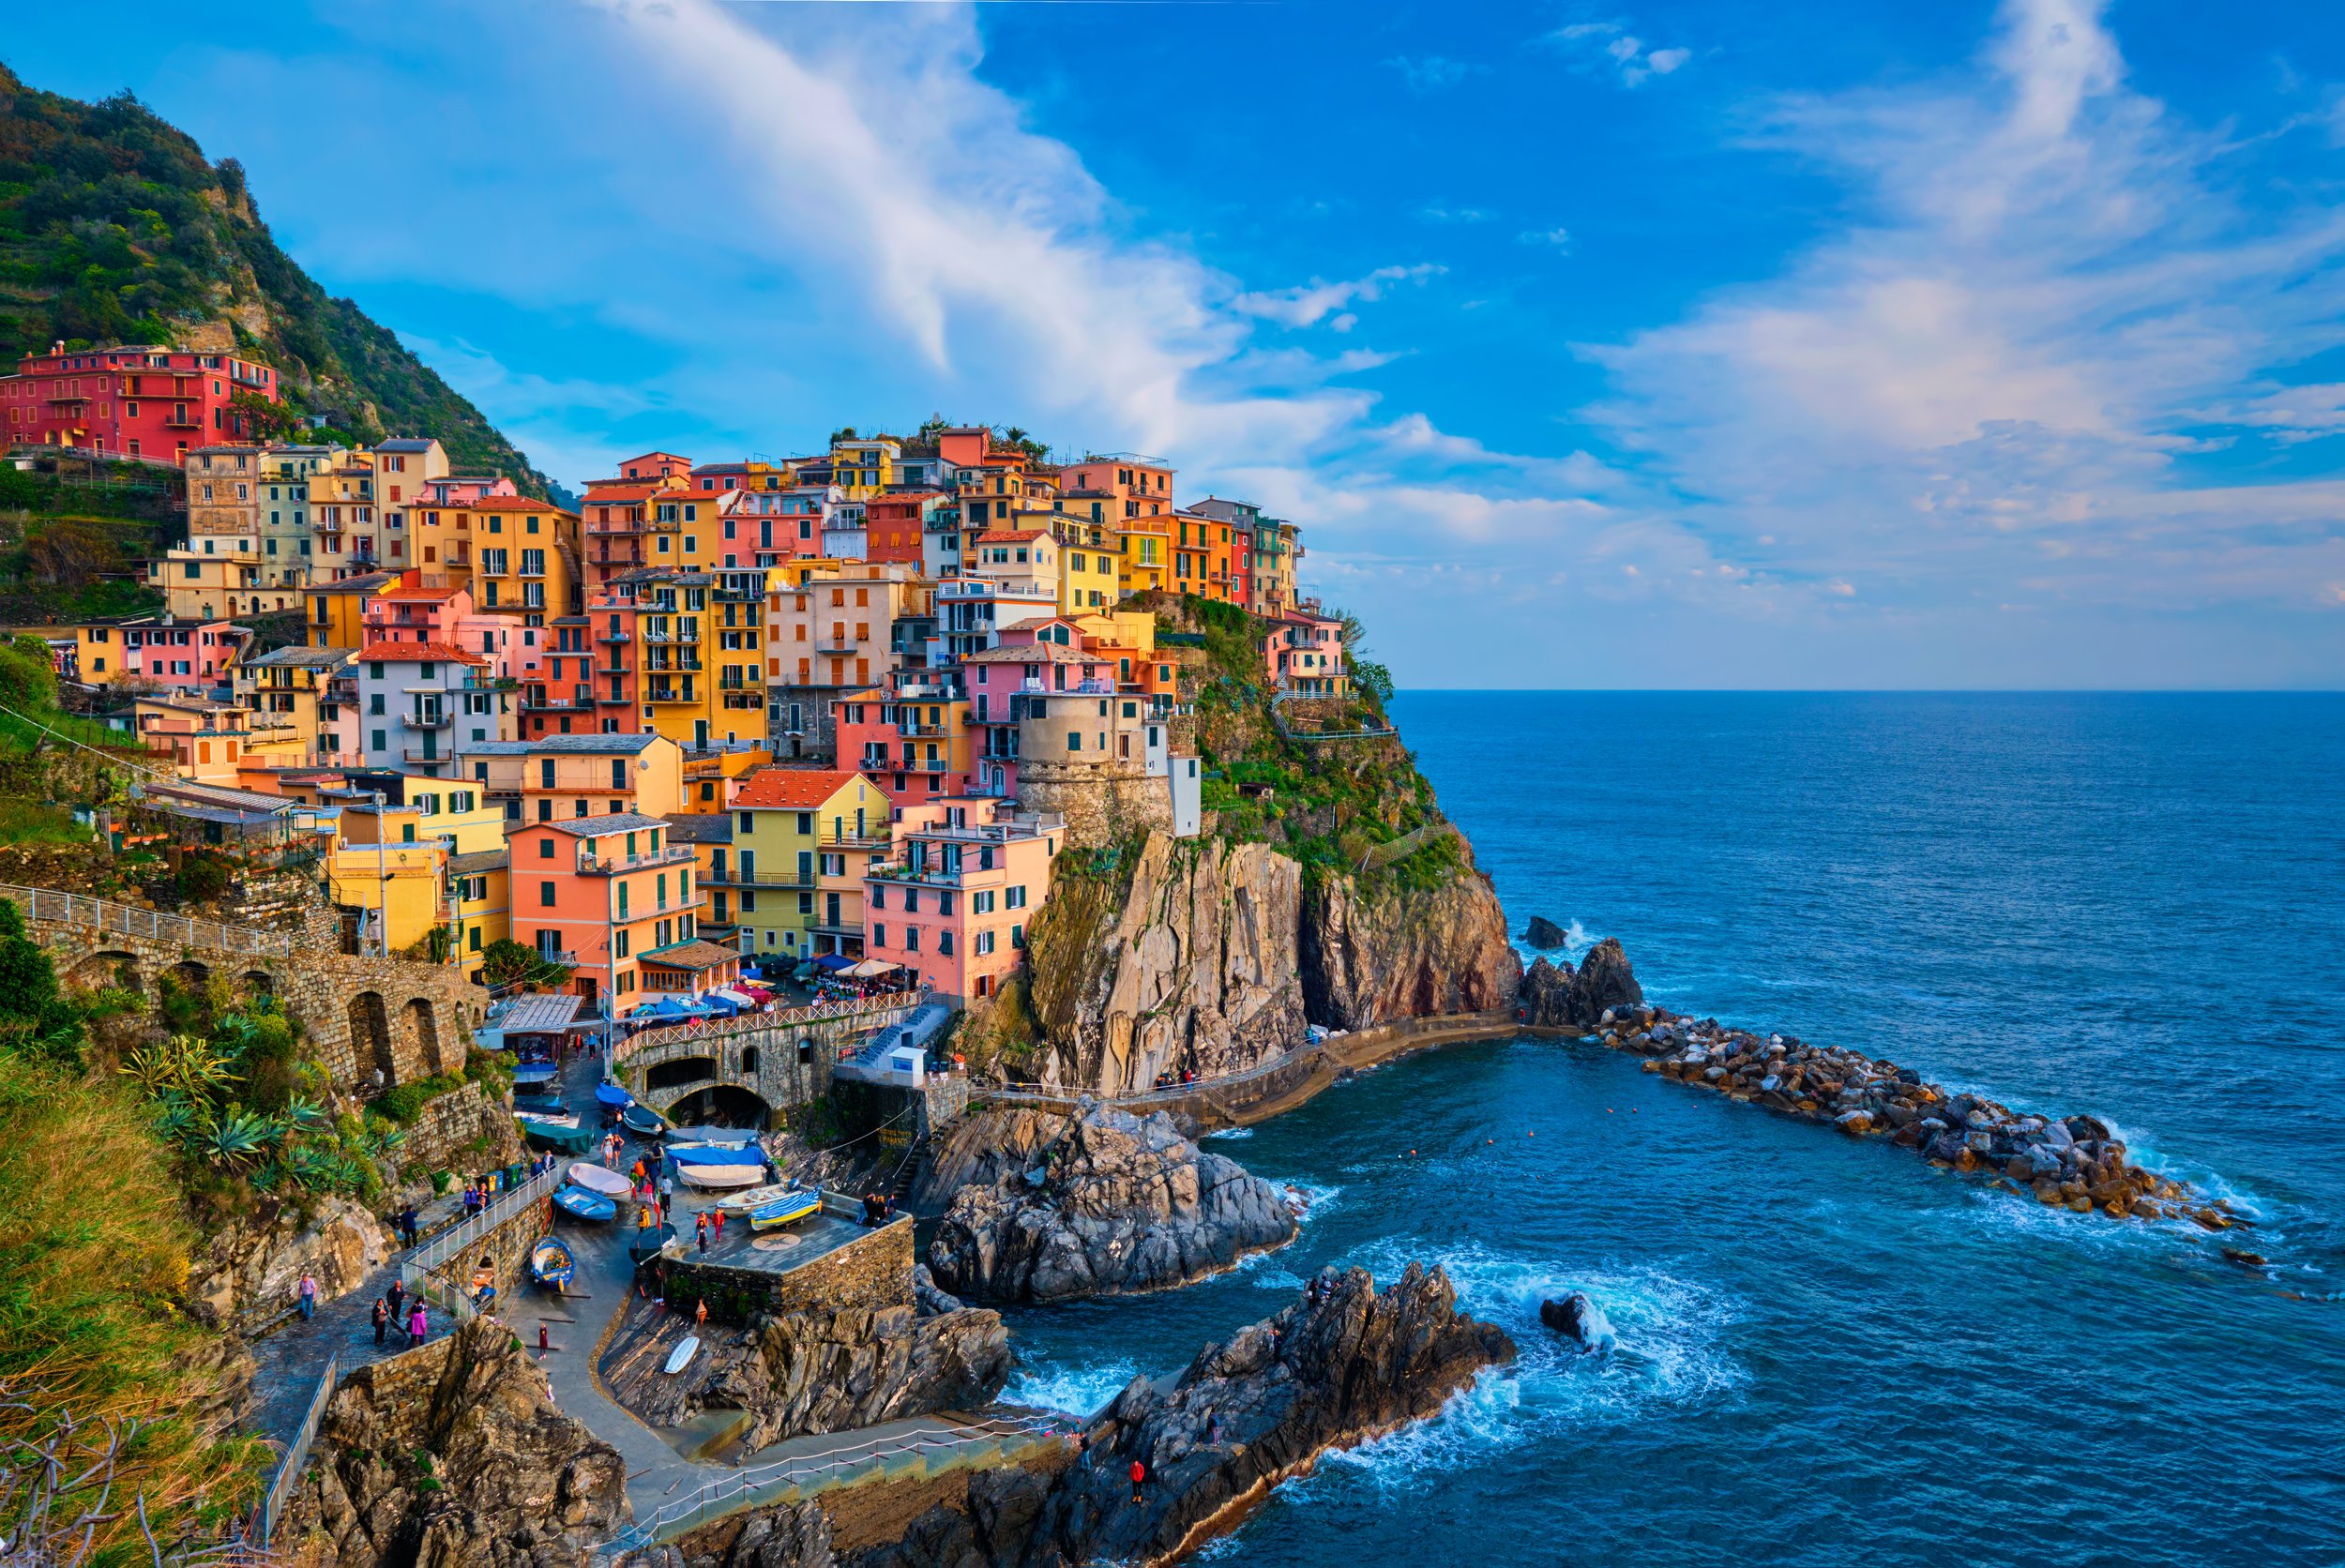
x=115 y=228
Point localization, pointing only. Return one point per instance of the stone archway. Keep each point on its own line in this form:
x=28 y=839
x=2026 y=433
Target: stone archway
x=419 y=1021
x=682 y=1070
x=107 y=967
x=259 y=983
x=370 y=1038
x=193 y=976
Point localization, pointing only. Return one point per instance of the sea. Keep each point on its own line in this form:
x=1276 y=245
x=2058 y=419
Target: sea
x=1828 y=1353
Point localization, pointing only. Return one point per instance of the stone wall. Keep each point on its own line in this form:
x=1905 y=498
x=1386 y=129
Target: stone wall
x=1102 y=802
x=506 y=1245
x=869 y=1273
x=465 y=1131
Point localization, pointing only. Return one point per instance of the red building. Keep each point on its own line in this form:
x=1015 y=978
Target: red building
x=893 y=522
x=131 y=401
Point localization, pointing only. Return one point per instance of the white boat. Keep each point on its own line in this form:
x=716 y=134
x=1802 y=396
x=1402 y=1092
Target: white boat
x=566 y=1121
x=756 y=1198
x=594 y=1178
x=715 y=1138
x=722 y=1175
x=682 y=1357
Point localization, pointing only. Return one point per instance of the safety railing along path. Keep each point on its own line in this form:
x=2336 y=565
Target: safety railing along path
x=759 y=1486
x=296 y=1456
x=747 y=1023
x=416 y=1270
x=102 y=914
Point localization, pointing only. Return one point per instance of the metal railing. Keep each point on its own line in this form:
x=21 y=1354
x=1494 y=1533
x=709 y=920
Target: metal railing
x=758 y=1486
x=415 y=1271
x=296 y=1456
x=74 y=908
x=700 y=1032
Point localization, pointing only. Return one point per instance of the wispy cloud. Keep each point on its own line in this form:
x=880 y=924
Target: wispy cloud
x=1437 y=213
x=1555 y=239
x=1309 y=304
x=1431 y=73
x=1610 y=45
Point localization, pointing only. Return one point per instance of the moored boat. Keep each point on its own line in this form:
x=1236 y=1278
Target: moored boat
x=594 y=1178
x=791 y=1206
x=740 y=1203
x=721 y=1175
x=551 y=1263
x=580 y=1204
x=643 y=1120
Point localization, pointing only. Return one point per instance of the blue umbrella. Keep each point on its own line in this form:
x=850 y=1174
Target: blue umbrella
x=613 y=1094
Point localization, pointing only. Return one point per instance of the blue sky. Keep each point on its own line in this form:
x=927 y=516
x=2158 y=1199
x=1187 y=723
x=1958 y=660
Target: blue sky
x=1698 y=344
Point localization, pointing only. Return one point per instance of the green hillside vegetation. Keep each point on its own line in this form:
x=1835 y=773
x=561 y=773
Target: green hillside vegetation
x=115 y=228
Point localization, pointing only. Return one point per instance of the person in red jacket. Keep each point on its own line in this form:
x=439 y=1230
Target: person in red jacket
x=1140 y=1474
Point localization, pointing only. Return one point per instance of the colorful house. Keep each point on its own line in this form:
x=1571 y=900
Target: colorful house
x=611 y=899
x=952 y=900
x=132 y=399
x=1302 y=651
x=553 y=777
x=802 y=841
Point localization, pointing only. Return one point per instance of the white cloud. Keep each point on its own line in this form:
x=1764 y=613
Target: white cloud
x=1432 y=72
x=1309 y=304
x=1559 y=239
x=1436 y=213
x=1594 y=45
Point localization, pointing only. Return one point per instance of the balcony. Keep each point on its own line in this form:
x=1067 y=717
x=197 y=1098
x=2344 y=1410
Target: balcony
x=672 y=855
x=426 y=721
x=668 y=694
x=576 y=702
x=614 y=638
x=925 y=876
x=428 y=754
x=614 y=702
x=837 y=650
x=563 y=955
x=790 y=881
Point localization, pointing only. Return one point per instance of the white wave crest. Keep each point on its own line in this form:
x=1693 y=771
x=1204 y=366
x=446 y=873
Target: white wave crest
x=1231 y=1132
x=1076 y=1390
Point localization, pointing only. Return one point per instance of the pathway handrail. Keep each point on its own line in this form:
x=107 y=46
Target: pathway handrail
x=737 y=1489
x=296 y=1454
x=415 y=1271
x=79 y=909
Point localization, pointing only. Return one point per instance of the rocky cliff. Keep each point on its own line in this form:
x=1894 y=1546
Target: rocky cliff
x=1212 y=957
x=1556 y=996
x=1122 y=1205
x=454 y=1456
x=1193 y=969
x=1380 y=951
x=801 y=1372
x=1341 y=1366
x=249 y=1271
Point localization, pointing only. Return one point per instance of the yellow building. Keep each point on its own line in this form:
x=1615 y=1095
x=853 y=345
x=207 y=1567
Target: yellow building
x=434 y=860
x=292 y=686
x=514 y=553
x=1143 y=554
x=803 y=840
x=863 y=469
x=197 y=586
x=337 y=610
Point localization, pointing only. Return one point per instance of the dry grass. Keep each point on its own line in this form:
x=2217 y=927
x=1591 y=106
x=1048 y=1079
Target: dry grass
x=93 y=1246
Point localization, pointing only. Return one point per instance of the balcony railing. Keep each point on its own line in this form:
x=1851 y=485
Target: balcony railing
x=427 y=720
x=566 y=956
x=671 y=854
x=786 y=881
x=668 y=694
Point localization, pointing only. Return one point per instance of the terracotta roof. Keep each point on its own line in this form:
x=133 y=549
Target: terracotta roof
x=1034 y=653
x=799 y=788
x=634 y=489
x=418 y=592
x=691 y=954
x=411 y=653
x=512 y=503
x=1007 y=536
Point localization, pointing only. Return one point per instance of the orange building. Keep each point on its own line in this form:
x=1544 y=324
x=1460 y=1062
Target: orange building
x=611 y=899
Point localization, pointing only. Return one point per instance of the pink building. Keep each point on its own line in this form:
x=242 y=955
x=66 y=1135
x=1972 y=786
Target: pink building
x=963 y=879
x=409 y=612
x=1302 y=652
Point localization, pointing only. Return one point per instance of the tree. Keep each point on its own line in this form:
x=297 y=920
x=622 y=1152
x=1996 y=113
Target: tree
x=1367 y=676
x=508 y=962
x=36 y=1020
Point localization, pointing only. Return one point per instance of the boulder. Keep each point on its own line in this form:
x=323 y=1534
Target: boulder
x=249 y=1271
x=1124 y=1205
x=1545 y=935
x=1604 y=981
x=1579 y=1321
x=454 y=1455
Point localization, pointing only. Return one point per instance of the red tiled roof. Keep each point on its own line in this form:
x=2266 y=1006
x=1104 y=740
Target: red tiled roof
x=800 y=788
x=438 y=653
x=633 y=491
x=1009 y=535
x=417 y=592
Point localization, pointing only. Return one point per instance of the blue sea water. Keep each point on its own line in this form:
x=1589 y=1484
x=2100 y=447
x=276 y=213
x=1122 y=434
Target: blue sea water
x=2127 y=905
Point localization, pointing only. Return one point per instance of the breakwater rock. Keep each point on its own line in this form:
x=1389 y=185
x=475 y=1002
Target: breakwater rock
x=805 y=1372
x=2072 y=1162
x=1341 y=1366
x=1556 y=996
x=454 y=1456
x=1118 y=1205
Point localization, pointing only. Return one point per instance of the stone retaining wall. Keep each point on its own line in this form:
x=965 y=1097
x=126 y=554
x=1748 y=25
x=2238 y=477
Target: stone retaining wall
x=507 y=1245
x=868 y=1274
x=466 y=1132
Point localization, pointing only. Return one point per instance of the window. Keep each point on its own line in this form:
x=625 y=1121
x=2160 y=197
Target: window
x=879 y=896
x=912 y=939
x=545 y=894
x=1018 y=936
x=1014 y=897
x=545 y=845
x=879 y=936
x=1074 y=740
x=944 y=943
x=619 y=773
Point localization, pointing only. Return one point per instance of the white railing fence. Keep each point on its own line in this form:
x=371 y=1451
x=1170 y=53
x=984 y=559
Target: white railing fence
x=75 y=909
x=417 y=1270
x=296 y=1454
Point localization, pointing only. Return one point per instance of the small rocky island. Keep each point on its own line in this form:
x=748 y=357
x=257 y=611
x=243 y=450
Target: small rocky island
x=1113 y=1204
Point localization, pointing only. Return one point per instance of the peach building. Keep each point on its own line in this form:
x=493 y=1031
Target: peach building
x=611 y=899
x=953 y=900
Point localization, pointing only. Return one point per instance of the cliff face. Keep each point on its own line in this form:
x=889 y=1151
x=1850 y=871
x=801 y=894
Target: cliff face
x=510 y=1482
x=1127 y=1206
x=1194 y=971
x=251 y=1271
x=1373 y=955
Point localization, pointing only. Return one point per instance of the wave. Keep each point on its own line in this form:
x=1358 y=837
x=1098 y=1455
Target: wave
x=1231 y=1132
x=1076 y=1390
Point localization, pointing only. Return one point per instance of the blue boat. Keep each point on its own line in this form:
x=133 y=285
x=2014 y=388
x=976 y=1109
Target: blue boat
x=781 y=1211
x=643 y=1120
x=580 y=1204
x=613 y=1094
x=716 y=1154
x=551 y=1263
x=535 y=1072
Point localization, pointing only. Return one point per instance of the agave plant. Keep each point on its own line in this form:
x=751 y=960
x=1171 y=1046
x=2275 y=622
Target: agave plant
x=307 y=1115
x=236 y=1138
x=312 y=1167
x=175 y=1118
x=189 y=1063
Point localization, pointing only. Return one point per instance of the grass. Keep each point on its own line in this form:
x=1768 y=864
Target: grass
x=30 y=821
x=94 y=1247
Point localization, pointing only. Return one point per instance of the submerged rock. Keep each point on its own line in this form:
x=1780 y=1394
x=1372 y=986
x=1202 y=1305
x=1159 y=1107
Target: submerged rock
x=1545 y=935
x=1121 y=1204
x=1577 y=1320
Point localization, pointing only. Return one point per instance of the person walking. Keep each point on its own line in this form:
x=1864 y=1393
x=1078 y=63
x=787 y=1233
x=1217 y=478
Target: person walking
x=381 y=1318
x=309 y=1295
x=700 y=1314
x=720 y=1225
x=667 y=1196
x=398 y=1294
x=419 y=1324
x=1140 y=1475
x=700 y=1231
x=410 y=1224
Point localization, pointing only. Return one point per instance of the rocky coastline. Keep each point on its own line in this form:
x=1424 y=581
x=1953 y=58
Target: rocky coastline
x=1342 y=1365
x=1115 y=1204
